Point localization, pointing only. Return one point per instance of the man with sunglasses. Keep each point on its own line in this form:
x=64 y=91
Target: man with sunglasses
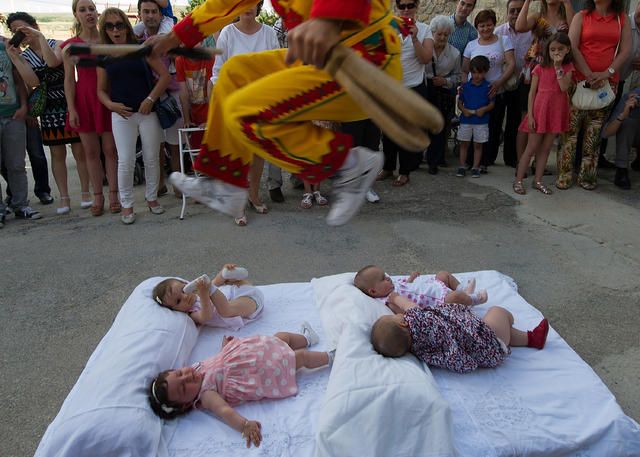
x=264 y=103
x=463 y=31
x=515 y=100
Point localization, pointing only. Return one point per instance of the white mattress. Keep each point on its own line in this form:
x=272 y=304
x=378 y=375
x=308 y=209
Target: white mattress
x=547 y=402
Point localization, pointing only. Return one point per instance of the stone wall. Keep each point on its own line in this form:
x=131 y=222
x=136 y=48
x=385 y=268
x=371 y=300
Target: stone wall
x=430 y=8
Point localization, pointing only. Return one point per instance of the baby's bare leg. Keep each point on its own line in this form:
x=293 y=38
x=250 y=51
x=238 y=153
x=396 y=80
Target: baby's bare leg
x=450 y=280
x=458 y=296
x=501 y=322
x=241 y=306
x=294 y=340
x=311 y=359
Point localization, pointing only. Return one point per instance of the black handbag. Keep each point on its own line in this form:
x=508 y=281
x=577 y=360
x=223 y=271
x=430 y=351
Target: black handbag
x=168 y=111
x=167 y=108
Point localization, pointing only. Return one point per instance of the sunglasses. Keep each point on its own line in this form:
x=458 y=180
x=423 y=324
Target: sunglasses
x=406 y=6
x=119 y=26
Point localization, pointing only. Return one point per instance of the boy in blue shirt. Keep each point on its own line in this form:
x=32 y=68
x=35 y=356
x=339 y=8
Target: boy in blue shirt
x=475 y=104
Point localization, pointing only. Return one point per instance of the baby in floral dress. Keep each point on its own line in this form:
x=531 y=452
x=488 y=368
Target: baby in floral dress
x=247 y=369
x=422 y=291
x=450 y=336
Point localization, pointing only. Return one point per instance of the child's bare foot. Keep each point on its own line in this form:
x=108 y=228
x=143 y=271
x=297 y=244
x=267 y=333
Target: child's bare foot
x=479 y=298
x=470 y=287
x=538 y=336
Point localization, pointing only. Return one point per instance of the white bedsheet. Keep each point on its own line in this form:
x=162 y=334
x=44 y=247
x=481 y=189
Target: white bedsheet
x=538 y=403
x=288 y=425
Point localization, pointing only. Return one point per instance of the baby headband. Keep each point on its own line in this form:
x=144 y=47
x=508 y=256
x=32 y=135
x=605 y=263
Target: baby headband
x=157 y=299
x=165 y=408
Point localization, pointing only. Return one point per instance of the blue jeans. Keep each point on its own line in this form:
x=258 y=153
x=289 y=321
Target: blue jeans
x=12 y=154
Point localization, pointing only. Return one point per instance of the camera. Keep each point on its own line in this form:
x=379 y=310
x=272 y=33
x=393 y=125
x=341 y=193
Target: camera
x=17 y=38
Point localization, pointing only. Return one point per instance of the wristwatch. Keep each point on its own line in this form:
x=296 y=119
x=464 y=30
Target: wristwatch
x=611 y=71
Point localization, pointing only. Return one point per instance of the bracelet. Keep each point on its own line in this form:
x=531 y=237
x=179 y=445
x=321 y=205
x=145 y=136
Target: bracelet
x=246 y=422
x=150 y=99
x=619 y=120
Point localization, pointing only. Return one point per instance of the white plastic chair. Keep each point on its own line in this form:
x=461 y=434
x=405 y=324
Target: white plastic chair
x=185 y=146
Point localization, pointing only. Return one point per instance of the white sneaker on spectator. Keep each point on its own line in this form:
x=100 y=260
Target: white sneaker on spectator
x=372 y=196
x=216 y=194
x=351 y=184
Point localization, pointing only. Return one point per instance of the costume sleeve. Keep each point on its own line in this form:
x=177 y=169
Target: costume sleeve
x=180 y=69
x=351 y=10
x=209 y=17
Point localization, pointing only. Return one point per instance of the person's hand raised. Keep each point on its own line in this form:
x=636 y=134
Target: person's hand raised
x=312 y=41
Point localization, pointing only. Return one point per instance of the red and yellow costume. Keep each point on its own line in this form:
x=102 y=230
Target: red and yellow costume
x=262 y=106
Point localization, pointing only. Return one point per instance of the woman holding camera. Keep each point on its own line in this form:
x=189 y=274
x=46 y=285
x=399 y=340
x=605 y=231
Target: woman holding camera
x=40 y=65
x=128 y=90
x=601 y=43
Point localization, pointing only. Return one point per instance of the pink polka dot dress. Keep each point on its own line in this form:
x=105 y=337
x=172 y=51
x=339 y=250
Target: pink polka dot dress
x=250 y=369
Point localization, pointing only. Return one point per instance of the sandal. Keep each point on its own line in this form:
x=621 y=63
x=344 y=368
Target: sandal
x=537 y=185
x=97 y=209
x=114 y=203
x=383 y=174
x=307 y=201
x=65 y=208
x=241 y=221
x=518 y=187
x=260 y=209
x=400 y=181
x=320 y=199
x=85 y=200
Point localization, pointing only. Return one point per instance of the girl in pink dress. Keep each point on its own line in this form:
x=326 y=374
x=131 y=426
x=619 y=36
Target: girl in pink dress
x=247 y=369
x=548 y=113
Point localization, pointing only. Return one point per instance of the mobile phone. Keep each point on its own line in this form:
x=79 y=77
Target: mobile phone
x=17 y=38
x=409 y=21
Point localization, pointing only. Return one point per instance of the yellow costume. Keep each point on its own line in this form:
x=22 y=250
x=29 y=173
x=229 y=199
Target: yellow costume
x=262 y=106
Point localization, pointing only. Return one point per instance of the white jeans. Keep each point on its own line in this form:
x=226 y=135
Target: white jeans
x=125 y=133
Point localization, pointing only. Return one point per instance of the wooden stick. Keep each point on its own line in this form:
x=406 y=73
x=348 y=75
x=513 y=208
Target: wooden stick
x=408 y=136
x=122 y=50
x=390 y=95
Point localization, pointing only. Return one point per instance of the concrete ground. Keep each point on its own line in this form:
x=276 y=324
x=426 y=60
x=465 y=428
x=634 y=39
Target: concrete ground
x=574 y=255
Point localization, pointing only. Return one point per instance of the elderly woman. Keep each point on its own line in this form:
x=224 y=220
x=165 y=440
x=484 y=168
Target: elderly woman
x=499 y=51
x=443 y=76
x=416 y=52
x=601 y=44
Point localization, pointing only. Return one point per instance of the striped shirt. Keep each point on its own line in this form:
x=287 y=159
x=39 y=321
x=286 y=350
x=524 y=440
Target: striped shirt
x=461 y=35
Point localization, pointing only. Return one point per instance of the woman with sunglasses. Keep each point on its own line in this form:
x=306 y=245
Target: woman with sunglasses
x=127 y=89
x=87 y=116
x=40 y=65
x=417 y=49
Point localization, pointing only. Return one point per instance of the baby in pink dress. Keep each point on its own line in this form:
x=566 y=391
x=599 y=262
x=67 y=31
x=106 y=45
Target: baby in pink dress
x=219 y=303
x=247 y=369
x=424 y=292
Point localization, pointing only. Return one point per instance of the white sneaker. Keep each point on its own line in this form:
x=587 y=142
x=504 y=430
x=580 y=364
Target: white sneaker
x=372 y=196
x=309 y=333
x=216 y=194
x=351 y=185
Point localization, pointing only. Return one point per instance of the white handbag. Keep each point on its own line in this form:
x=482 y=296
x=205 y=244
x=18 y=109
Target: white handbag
x=586 y=98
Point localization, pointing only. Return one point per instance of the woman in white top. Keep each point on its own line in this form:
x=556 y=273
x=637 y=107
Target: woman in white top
x=443 y=76
x=416 y=52
x=245 y=36
x=499 y=51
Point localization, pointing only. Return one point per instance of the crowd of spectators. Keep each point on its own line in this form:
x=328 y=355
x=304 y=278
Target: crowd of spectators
x=106 y=114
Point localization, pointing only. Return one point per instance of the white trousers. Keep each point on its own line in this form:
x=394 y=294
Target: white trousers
x=125 y=133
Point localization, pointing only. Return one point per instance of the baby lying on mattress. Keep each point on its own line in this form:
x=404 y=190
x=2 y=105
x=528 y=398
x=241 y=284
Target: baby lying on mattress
x=246 y=369
x=228 y=301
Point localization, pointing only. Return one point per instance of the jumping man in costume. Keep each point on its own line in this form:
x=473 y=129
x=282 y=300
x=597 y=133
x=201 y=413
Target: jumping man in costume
x=263 y=103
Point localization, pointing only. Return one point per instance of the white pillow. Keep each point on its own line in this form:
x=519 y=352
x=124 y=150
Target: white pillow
x=378 y=406
x=107 y=412
x=341 y=303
